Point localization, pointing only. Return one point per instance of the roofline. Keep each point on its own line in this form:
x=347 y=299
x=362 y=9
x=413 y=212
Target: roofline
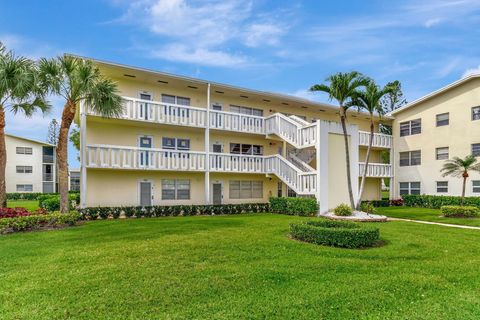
x=435 y=93
x=206 y=82
x=32 y=140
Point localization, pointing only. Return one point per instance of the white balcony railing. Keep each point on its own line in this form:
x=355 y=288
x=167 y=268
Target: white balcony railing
x=376 y=170
x=222 y=162
x=380 y=140
x=237 y=122
x=303 y=183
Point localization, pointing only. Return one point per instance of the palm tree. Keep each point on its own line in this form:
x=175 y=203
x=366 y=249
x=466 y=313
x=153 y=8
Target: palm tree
x=458 y=167
x=343 y=87
x=77 y=81
x=370 y=100
x=19 y=92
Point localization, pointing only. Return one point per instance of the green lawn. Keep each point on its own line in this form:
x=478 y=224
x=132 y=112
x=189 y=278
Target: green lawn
x=30 y=205
x=426 y=215
x=236 y=267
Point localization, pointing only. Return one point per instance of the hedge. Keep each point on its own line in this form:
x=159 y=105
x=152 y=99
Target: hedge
x=435 y=202
x=460 y=211
x=32 y=195
x=294 y=206
x=345 y=234
x=94 y=213
x=39 y=221
x=51 y=202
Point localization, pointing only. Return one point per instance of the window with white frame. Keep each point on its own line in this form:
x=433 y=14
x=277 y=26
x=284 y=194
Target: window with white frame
x=409 y=188
x=242 y=148
x=410 y=158
x=24 y=150
x=24 y=187
x=476 y=149
x=476 y=113
x=175 y=143
x=246 y=110
x=442 y=186
x=175 y=189
x=24 y=169
x=443 y=119
x=412 y=127
x=171 y=99
x=441 y=153
x=240 y=189
x=476 y=186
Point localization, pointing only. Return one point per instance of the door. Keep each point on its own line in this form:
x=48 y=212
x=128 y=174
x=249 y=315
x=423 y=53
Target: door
x=144 y=107
x=217 y=117
x=217 y=160
x=217 y=193
x=144 y=156
x=145 y=193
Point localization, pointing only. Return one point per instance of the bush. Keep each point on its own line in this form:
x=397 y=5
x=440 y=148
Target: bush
x=460 y=211
x=397 y=202
x=18 y=212
x=335 y=233
x=368 y=207
x=51 y=202
x=343 y=210
x=33 y=222
x=33 y=195
x=435 y=202
x=294 y=206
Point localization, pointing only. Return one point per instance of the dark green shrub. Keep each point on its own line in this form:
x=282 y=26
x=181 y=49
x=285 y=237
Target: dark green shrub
x=435 y=202
x=36 y=195
x=33 y=222
x=51 y=201
x=343 y=210
x=294 y=206
x=335 y=233
x=460 y=211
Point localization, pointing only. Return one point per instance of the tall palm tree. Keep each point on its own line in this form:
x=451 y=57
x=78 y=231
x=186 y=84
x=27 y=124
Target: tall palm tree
x=343 y=87
x=77 y=81
x=458 y=167
x=370 y=101
x=19 y=92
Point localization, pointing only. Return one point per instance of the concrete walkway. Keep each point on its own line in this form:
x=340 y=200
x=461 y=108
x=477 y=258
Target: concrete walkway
x=436 y=223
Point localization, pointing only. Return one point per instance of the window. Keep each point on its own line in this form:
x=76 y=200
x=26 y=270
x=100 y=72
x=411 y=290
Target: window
x=24 y=150
x=443 y=119
x=410 y=158
x=238 y=148
x=442 y=186
x=410 y=127
x=279 y=189
x=24 y=187
x=24 y=169
x=409 y=188
x=441 y=153
x=183 y=101
x=246 y=189
x=175 y=189
x=168 y=143
x=175 y=143
x=246 y=110
x=476 y=113
x=476 y=149
x=476 y=186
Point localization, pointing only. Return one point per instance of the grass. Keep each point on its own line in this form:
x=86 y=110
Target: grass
x=236 y=267
x=30 y=205
x=425 y=214
x=385 y=194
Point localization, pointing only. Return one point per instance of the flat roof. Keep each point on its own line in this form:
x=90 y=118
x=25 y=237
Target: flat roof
x=31 y=140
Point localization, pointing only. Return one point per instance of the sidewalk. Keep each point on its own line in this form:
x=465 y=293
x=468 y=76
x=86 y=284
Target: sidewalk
x=436 y=223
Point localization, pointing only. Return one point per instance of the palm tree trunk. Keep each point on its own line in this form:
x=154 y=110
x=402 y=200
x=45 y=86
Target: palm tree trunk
x=347 y=156
x=3 y=160
x=367 y=159
x=463 y=190
x=62 y=154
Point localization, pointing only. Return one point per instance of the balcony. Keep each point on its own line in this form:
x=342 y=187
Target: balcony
x=380 y=140
x=376 y=170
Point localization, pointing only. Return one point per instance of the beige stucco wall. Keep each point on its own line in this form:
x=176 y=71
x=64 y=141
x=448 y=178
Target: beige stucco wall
x=458 y=136
x=337 y=172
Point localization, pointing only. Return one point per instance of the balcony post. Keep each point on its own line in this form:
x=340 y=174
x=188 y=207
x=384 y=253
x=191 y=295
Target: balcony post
x=207 y=149
x=83 y=156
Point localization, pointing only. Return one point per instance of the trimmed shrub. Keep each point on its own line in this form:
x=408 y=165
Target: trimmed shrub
x=294 y=206
x=34 y=195
x=460 y=211
x=345 y=234
x=397 y=202
x=368 y=207
x=51 y=202
x=343 y=210
x=39 y=221
x=18 y=212
x=435 y=202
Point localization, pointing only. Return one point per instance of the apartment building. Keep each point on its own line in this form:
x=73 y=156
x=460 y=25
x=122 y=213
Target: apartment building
x=436 y=127
x=74 y=180
x=182 y=140
x=30 y=166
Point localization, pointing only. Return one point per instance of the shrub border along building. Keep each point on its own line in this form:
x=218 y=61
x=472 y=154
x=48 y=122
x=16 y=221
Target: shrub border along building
x=435 y=202
x=32 y=195
x=38 y=221
x=345 y=234
x=460 y=211
x=294 y=206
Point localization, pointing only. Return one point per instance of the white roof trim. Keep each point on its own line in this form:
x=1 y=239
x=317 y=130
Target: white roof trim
x=434 y=93
x=31 y=140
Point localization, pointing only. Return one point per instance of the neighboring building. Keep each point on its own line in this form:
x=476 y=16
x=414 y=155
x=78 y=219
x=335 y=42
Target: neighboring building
x=182 y=140
x=31 y=165
x=74 y=180
x=436 y=127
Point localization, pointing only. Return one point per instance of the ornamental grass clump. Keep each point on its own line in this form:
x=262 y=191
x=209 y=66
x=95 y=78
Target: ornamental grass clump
x=343 y=210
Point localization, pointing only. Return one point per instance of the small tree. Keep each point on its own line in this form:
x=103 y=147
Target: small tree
x=458 y=167
x=53 y=132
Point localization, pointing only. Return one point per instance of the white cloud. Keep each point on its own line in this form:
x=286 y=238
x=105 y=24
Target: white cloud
x=263 y=34
x=27 y=47
x=432 y=22
x=471 y=71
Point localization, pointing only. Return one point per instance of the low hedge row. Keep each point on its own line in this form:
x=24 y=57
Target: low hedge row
x=38 y=221
x=294 y=206
x=31 y=195
x=94 y=213
x=460 y=211
x=385 y=203
x=435 y=202
x=345 y=234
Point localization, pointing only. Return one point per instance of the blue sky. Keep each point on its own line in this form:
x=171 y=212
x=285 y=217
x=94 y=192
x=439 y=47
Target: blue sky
x=280 y=46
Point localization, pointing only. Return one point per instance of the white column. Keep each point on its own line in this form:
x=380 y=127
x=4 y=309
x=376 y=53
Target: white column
x=392 y=178
x=318 y=154
x=354 y=169
x=83 y=156
x=207 y=150
x=323 y=129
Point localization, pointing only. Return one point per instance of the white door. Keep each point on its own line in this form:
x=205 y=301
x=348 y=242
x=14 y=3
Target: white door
x=217 y=117
x=145 y=193
x=217 y=162
x=217 y=193
x=144 y=108
x=144 y=156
